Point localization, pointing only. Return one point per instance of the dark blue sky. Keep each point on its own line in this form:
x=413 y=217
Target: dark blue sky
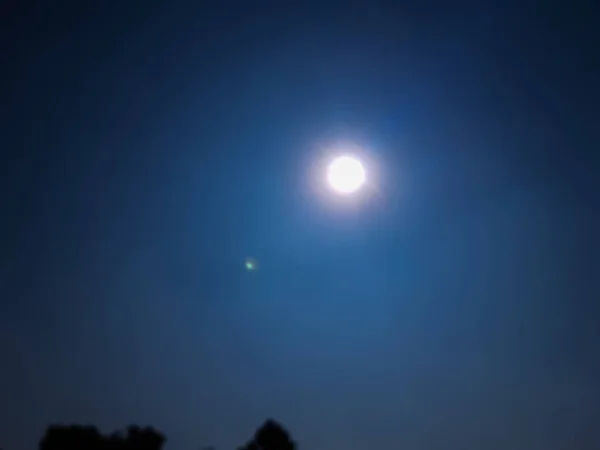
x=147 y=150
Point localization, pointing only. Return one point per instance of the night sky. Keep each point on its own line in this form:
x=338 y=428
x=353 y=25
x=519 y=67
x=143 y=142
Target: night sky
x=148 y=150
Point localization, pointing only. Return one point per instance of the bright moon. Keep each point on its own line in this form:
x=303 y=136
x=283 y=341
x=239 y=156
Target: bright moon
x=346 y=174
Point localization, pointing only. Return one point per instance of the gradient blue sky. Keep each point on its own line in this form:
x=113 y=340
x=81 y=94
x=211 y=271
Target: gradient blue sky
x=147 y=150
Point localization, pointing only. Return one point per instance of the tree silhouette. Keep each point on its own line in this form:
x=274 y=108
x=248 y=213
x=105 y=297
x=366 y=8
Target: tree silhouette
x=73 y=437
x=271 y=435
x=77 y=437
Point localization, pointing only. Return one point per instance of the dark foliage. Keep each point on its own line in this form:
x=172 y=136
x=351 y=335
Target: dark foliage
x=270 y=436
x=77 y=437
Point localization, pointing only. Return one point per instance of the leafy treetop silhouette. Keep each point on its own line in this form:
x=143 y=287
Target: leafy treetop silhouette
x=271 y=435
x=78 y=437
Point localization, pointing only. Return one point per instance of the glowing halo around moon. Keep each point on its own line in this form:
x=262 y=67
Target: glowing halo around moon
x=346 y=174
x=342 y=176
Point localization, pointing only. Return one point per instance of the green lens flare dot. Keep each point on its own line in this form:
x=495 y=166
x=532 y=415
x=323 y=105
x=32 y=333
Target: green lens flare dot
x=251 y=264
